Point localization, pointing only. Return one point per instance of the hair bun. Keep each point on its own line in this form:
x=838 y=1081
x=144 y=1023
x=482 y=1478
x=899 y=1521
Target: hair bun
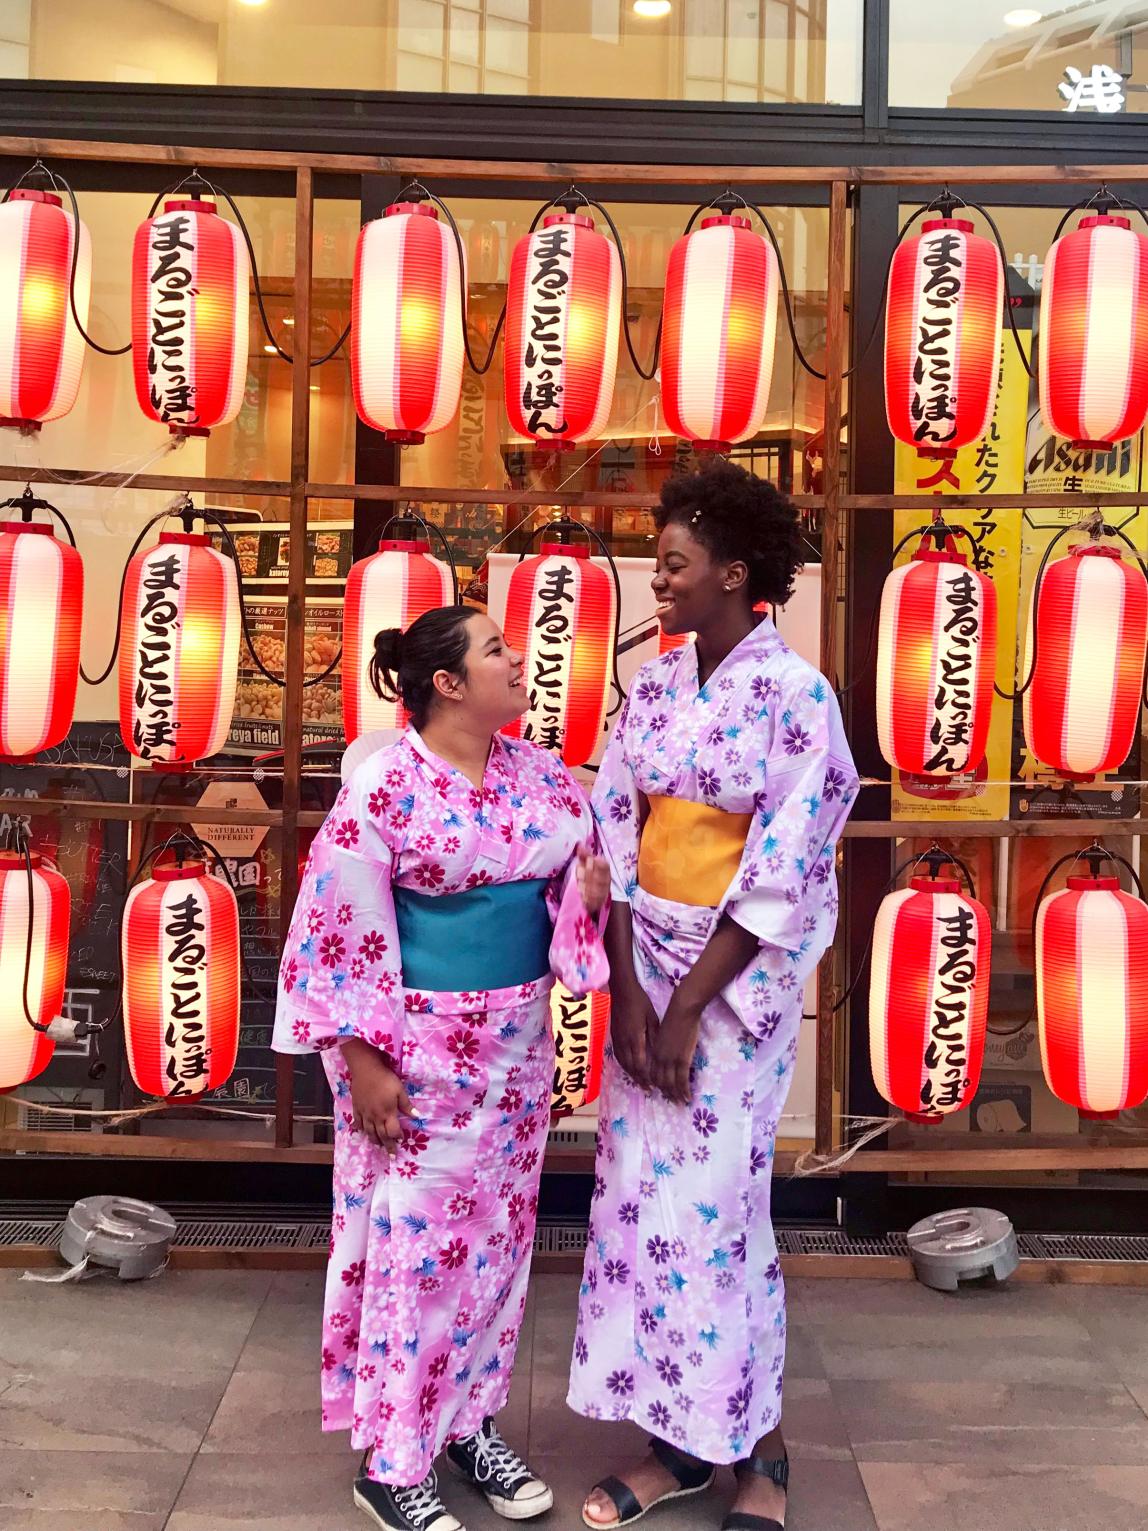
x=389 y=649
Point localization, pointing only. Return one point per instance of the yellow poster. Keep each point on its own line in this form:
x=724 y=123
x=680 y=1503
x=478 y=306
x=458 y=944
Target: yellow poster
x=994 y=465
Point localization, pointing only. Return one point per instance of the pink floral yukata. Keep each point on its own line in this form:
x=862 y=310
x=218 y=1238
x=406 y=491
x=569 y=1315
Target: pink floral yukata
x=681 y=1315
x=430 y=1252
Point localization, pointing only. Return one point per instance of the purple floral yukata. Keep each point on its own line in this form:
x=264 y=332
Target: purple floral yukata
x=430 y=1251
x=681 y=1315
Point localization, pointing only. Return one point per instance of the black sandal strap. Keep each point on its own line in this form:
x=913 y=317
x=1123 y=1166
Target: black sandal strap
x=738 y=1520
x=775 y=1469
x=625 y=1500
x=688 y=1474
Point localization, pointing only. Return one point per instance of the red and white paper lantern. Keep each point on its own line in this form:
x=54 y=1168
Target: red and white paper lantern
x=561 y=614
x=563 y=321
x=179 y=650
x=928 y=997
x=41 y=348
x=41 y=610
x=579 y=1027
x=392 y=588
x=943 y=337
x=1089 y=615
x=191 y=280
x=406 y=323
x=1093 y=361
x=719 y=326
x=936 y=661
x=24 y=1051
x=1092 y=995
x=180 y=952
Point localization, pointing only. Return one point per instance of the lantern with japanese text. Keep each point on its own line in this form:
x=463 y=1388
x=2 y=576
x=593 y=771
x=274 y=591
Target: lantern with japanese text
x=943 y=337
x=579 y=1027
x=563 y=321
x=1087 y=642
x=179 y=650
x=1093 y=361
x=41 y=347
x=1092 y=995
x=928 y=997
x=719 y=325
x=41 y=608
x=36 y=971
x=390 y=589
x=406 y=323
x=191 y=279
x=561 y=614
x=180 y=950
x=936 y=661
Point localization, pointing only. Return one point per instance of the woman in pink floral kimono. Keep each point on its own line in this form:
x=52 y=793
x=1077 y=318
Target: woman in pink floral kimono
x=719 y=800
x=419 y=961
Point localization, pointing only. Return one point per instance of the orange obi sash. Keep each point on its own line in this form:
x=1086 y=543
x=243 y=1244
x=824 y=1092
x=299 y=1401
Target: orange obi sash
x=690 y=852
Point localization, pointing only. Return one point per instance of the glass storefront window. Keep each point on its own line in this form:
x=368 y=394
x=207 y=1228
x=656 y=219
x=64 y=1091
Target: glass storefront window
x=772 y=51
x=1087 y=58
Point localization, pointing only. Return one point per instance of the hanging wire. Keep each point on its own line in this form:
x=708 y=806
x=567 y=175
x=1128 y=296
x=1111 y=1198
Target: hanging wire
x=415 y=191
x=429 y=530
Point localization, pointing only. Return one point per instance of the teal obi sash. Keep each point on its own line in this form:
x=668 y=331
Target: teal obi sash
x=494 y=937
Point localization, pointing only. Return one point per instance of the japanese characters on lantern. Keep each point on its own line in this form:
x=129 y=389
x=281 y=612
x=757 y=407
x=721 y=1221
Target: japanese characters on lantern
x=41 y=348
x=1093 y=347
x=1089 y=624
x=936 y=661
x=179 y=651
x=563 y=322
x=561 y=613
x=942 y=337
x=928 y=997
x=390 y=589
x=180 y=953
x=24 y=1051
x=1092 y=995
x=191 y=277
x=41 y=609
x=406 y=323
x=579 y=1027
x=719 y=328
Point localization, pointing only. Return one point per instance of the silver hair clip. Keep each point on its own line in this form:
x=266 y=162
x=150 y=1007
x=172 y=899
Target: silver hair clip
x=696 y=517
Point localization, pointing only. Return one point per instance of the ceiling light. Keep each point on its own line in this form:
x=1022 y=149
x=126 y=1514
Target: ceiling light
x=271 y=350
x=289 y=321
x=652 y=10
x=1024 y=17
x=252 y=2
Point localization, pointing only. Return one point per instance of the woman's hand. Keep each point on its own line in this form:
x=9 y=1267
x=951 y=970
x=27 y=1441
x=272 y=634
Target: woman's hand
x=379 y=1099
x=593 y=877
x=633 y=1022
x=672 y=1048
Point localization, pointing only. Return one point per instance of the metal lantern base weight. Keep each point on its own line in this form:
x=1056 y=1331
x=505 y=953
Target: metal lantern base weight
x=965 y=1244
x=132 y=1237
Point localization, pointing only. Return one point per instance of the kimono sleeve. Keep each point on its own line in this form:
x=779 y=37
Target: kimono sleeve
x=785 y=891
x=615 y=802
x=577 y=954
x=340 y=974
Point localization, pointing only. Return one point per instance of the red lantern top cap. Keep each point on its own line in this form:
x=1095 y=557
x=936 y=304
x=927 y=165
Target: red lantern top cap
x=935 y=885
x=392 y=545
x=1083 y=884
x=1104 y=220
x=171 y=871
x=1095 y=550
x=575 y=220
x=938 y=555
x=11 y=860
x=16 y=527
x=726 y=221
x=564 y=550
x=29 y=194
x=423 y=209
x=961 y=225
x=186 y=539
x=189 y=205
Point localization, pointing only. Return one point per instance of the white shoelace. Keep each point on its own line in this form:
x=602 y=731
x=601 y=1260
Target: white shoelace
x=421 y=1502
x=492 y=1455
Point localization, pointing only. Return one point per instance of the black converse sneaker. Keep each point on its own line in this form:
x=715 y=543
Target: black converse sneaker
x=500 y=1474
x=404 y=1509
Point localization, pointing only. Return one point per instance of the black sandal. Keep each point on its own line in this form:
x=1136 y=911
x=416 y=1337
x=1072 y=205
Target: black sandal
x=691 y=1477
x=777 y=1471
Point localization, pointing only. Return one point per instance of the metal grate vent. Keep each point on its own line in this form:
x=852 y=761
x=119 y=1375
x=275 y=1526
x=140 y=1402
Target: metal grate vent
x=38 y=1235
x=203 y=1233
x=831 y=1241
x=560 y=1239
x=1083 y=1246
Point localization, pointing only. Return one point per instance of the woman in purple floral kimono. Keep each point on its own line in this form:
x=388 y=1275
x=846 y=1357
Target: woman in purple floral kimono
x=719 y=800
x=419 y=961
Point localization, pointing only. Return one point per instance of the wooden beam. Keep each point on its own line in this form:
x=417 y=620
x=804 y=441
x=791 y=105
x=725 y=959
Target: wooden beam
x=1125 y=498
x=424 y=494
x=991 y=829
x=110 y=1145
x=11 y=473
